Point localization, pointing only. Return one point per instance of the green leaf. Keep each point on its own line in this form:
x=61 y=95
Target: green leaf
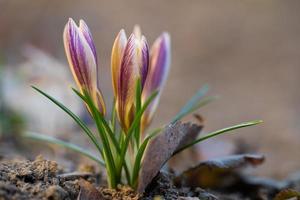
x=155 y=132
x=53 y=140
x=113 y=116
x=201 y=103
x=114 y=177
x=194 y=103
x=137 y=163
x=102 y=119
x=138 y=94
x=139 y=156
x=218 y=132
x=109 y=158
x=74 y=117
x=130 y=132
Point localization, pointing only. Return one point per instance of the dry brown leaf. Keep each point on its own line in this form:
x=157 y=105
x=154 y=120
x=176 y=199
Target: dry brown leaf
x=191 y=135
x=193 y=154
x=216 y=172
x=288 y=194
x=161 y=148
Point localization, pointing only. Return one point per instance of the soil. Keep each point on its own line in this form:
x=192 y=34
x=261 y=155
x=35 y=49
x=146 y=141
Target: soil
x=43 y=179
x=39 y=179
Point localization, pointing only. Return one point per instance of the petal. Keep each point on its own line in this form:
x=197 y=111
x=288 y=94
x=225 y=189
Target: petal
x=157 y=75
x=143 y=58
x=80 y=56
x=70 y=35
x=88 y=37
x=137 y=32
x=143 y=53
x=100 y=101
x=134 y=66
x=116 y=58
x=82 y=60
x=129 y=72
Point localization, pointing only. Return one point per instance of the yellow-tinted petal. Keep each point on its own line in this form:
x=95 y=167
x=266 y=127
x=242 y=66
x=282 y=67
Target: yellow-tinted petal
x=132 y=66
x=129 y=73
x=116 y=58
x=100 y=101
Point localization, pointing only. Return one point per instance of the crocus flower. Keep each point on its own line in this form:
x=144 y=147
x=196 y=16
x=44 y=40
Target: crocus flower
x=160 y=55
x=129 y=62
x=82 y=58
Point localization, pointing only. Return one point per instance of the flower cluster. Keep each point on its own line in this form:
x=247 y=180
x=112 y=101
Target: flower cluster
x=138 y=76
x=131 y=60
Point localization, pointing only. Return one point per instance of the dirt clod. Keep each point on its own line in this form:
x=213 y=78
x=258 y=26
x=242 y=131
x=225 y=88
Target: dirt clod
x=55 y=192
x=121 y=193
x=38 y=179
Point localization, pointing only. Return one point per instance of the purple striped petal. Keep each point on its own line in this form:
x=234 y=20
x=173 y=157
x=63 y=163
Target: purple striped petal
x=159 y=68
x=134 y=66
x=80 y=52
x=144 y=59
x=128 y=75
x=88 y=37
x=143 y=53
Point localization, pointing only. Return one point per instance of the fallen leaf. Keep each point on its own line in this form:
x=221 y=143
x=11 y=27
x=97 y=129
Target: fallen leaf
x=88 y=191
x=217 y=172
x=161 y=148
x=288 y=194
x=192 y=134
x=201 y=152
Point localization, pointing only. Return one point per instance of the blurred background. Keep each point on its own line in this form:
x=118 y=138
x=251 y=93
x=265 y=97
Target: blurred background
x=247 y=51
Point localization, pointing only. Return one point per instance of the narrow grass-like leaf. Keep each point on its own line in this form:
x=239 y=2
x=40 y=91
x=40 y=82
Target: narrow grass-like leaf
x=137 y=120
x=108 y=129
x=113 y=117
x=138 y=103
x=155 y=132
x=139 y=156
x=112 y=135
x=137 y=163
x=204 y=101
x=109 y=158
x=191 y=105
x=74 y=117
x=53 y=140
x=110 y=132
x=114 y=140
x=218 y=132
x=133 y=127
